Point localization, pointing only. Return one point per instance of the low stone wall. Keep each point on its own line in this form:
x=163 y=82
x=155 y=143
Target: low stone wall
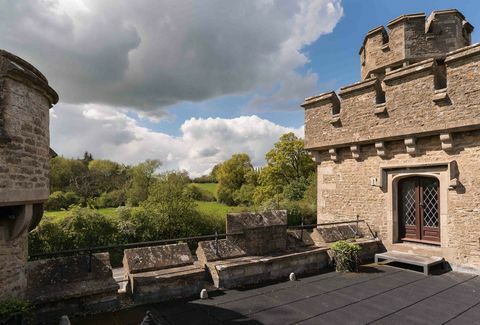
x=71 y=285
x=162 y=273
x=263 y=233
x=209 y=251
x=249 y=270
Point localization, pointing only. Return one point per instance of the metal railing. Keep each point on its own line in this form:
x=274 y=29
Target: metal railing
x=91 y=250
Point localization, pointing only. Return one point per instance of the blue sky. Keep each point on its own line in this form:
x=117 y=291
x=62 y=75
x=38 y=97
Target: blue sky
x=192 y=82
x=334 y=57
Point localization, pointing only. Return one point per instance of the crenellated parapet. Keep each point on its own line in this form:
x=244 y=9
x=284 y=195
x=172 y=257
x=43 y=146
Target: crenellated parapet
x=421 y=99
x=412 y=38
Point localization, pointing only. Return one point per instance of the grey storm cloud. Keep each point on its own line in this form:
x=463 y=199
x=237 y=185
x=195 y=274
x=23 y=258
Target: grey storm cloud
x=148 y=55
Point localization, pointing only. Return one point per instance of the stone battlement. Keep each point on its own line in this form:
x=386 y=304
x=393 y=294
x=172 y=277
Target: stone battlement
x=411 y=38
x=426 y=98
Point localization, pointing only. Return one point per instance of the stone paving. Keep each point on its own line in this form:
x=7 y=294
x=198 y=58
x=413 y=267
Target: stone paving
x=378 y=294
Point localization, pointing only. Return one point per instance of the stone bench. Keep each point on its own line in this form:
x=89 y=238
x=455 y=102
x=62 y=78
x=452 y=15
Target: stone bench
x=160 y=273
x=71 y=285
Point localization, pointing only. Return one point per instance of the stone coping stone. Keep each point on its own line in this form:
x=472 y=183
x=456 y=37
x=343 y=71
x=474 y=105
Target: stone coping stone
x=237 y=222
x=208 y=252
x=297 y=238
x=167 y=284
x=152 y=258
x=248 y=270
x=72 y=276
x=330 y=234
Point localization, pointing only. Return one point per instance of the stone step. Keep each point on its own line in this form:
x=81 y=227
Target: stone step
x=413 y=259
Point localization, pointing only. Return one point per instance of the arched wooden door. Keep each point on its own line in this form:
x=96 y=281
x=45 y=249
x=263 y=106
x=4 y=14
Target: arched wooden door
x=419 y=209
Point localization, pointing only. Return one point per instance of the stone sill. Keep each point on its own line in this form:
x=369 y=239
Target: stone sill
x=385 y=47
x=440 y=95
x=380 y=109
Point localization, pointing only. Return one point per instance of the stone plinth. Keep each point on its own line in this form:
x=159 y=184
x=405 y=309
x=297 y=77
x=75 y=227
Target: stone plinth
x=144 y=259
x=209 y=251
x=71 y=285
x=249 y=270
x=162 y=273
x=263 y=233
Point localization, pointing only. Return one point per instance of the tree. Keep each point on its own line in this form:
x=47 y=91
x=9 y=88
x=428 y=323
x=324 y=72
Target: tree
x=108 y=175
x=141 y=178
x=288 y=169
x=232 y=174
x=87 y=158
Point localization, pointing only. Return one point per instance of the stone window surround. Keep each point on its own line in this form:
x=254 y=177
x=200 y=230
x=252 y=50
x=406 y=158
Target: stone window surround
x=390 y=175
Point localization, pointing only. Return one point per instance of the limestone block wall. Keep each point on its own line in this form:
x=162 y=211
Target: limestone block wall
x=412 y=105
x=25 y=100
x=345 y=190
x=13 y=267
x=412 y=38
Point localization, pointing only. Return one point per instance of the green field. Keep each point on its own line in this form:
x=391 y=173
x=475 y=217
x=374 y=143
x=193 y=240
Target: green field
x=58 y=215
x=210 y=187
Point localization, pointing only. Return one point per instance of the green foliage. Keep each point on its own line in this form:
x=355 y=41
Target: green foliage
x=232 y=174
x=13 y=307
x=244 y=195
x=288 y=166
x=113 y=199
x=141 y=178
x=199 y=194
x=345 y=256
x=107 y=175
x=59 y=200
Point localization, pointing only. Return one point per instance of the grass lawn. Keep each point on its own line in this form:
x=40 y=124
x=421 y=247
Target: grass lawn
x=214 y=209
x=210 y=187
x=58 y=215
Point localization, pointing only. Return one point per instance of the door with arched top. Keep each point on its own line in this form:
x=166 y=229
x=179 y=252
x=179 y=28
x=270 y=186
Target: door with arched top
x=419 y=209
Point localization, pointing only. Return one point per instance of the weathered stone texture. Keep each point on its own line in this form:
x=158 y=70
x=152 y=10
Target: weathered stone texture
x=13 y=266
x=73 y=285
x=162 y=272
x=409 y=104
x=411 y=38
x=209 y=251
x=144 y=259
x=261 y=233
x=353 y=194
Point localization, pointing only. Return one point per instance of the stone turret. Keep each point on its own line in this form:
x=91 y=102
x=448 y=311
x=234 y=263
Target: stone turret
x=25 y=100
x=412 y=38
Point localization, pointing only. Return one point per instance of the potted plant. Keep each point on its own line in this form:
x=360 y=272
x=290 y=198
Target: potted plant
x=14 y=311
x=345 y=256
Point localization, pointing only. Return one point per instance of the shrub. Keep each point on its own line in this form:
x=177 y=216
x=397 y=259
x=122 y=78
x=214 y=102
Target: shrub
x=345 y=256
x=113 y=199
x=199 y=194
x=60 y=200
x=11 y=309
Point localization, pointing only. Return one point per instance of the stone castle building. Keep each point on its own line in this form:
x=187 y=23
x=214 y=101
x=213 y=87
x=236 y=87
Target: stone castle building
x=25 y=99
x=401 y=147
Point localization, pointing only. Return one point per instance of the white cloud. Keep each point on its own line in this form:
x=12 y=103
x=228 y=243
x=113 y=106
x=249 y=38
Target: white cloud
x=110 y=134
x=149 y=54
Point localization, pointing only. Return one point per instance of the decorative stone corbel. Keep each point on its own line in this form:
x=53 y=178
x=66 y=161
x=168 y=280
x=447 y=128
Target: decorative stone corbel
x=355 y=149
x=447 y=141
x=380 y=147
x=333 y=154
x=411 y=145
x=315 y=156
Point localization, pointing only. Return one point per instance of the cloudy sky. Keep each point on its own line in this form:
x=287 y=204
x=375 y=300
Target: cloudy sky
x=190 y=82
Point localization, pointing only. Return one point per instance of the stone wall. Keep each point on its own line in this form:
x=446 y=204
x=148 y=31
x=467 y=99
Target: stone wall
x=261 y=233
x=13 y=270
x=410 y=38
x=25 y=100
x=345 y=190
x=413 y=106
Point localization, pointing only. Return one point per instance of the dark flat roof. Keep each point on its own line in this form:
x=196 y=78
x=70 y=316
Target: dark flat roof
x=377 y=294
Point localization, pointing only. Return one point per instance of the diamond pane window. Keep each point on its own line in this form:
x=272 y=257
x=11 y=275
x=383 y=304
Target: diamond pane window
x=408 y=202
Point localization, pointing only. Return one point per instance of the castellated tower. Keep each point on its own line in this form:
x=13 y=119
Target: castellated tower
x=401 y=148
x=412 y=38
x=25 y=99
